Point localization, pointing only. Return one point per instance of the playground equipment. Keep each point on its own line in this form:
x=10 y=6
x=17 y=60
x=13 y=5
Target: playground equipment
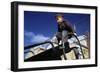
x=55 y=52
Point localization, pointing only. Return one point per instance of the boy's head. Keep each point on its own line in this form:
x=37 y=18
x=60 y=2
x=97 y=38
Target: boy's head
x=59 y=18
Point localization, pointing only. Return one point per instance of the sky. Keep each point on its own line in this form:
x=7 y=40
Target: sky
x=41 y=26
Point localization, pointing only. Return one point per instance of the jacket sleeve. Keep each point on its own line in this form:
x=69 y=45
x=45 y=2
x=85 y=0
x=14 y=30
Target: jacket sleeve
x=68 y=26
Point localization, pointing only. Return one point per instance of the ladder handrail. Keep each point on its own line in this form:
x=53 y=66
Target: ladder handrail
x=28 y=47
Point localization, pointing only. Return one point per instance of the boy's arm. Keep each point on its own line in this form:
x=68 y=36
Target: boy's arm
x=69 y=26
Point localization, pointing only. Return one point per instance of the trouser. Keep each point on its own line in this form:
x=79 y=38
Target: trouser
x=63 y=36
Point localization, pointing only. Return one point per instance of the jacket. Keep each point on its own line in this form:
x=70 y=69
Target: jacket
x=65 y=25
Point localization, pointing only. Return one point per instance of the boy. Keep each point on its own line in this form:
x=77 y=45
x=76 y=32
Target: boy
x=64 y=29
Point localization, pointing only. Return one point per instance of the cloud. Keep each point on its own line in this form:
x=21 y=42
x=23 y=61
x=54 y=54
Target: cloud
x=39 y=38
x=29 y=34
x=31 y=37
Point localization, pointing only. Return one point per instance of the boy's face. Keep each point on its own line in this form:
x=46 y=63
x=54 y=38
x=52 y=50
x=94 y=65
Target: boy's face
x=59 y=19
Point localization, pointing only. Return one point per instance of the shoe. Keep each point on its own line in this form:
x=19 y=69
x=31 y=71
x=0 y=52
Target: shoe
x=67 y=48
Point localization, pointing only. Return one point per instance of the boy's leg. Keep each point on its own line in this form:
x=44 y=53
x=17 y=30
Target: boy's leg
x=65 y=42
x=64 y=38
x=59 y=36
